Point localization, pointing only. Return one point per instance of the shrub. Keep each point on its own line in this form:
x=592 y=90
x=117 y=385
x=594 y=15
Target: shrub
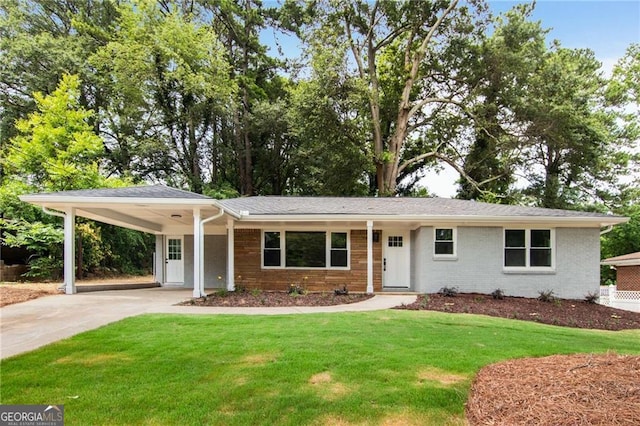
x=255 y=292
x=341 y=291
x=497 y=294
x=448 y=291
x=296 y=290
x=424 y=301
x=546 y=296
x=591 y=298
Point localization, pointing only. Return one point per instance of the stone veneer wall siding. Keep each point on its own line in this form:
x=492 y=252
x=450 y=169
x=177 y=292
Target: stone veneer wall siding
x=249 y=273
x=628 y=278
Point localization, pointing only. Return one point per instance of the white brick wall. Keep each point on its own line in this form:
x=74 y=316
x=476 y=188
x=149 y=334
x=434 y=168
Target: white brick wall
x=478 y=267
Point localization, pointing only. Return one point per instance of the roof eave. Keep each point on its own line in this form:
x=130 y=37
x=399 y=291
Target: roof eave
x=628 y=262
x=77 y=201
x=592 y=221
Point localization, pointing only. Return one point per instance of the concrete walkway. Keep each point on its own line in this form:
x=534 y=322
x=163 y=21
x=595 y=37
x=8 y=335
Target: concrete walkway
x=30 y=325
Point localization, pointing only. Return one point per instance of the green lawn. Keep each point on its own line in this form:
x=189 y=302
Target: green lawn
x=396 y=367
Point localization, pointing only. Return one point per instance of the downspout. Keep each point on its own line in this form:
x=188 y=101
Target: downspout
x=199 y=269
x=606 y=230
x=214 y=217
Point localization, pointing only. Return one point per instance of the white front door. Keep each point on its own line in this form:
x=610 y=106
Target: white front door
x=174 y=260
x=396 y=256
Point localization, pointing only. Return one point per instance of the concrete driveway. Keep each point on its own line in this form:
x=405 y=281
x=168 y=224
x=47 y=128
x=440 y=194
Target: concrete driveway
x=30 y=325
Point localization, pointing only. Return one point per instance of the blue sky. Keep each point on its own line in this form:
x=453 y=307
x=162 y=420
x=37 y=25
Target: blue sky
x=606 y=27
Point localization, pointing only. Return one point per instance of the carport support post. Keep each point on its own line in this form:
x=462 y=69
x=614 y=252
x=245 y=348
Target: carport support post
x=198 y=255
x=369 y=256
x=70 y=250
x=231 y=284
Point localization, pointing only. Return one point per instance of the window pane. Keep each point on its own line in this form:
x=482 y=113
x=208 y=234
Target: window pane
x=444 y=247
x=540 y=238
x=444 y=234
x=175 y=249
x=514 y=237
x=515 y=257
x=395 y=241
x=306 y=249
x=540 y=257
x=338 y=240
x=272 y=240
x=339 y=258
x=272 y=257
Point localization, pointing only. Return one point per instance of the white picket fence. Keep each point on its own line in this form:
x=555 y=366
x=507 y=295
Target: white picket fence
x=621 y=299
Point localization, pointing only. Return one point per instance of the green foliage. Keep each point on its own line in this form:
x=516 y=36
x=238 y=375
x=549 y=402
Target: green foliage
x=43 y=240
x=35 y=236
x=56 y=148
x=47 y=267
x=166 y=76
x=591 y=298
x=547 y=296
x=448 y=291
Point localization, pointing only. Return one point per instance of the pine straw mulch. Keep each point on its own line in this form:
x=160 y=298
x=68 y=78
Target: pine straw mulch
x=557 y=390
x=263 y=299
x=562 y=312
x=16 y=293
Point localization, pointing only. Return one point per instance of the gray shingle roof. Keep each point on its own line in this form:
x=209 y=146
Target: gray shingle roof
x=389 y=206
x=149 y=191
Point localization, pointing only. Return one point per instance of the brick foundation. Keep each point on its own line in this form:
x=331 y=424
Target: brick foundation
x=250 y=274
x=628 y=278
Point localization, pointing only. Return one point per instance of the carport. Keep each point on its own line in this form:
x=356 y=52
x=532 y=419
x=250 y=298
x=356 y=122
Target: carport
x=168 y=213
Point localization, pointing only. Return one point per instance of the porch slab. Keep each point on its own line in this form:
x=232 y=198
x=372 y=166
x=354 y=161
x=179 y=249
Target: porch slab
x=29 y=325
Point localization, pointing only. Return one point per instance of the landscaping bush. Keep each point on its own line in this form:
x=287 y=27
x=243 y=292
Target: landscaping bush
x=448 y=291
x=546 y=296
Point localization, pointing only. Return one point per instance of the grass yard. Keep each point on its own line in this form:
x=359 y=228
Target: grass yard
x=388 y=367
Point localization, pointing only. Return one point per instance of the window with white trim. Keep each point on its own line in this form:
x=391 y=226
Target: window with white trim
x=444 y=242
x=305 y=249
x=528 y=248
x=271 y=252
x=339 y=250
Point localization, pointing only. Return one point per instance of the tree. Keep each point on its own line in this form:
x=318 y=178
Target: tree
x=507 y=59
x=56 y=148
x=168 y=73
x=325 y=117
x=39 y=42
x=411 y=57
x=571 y=151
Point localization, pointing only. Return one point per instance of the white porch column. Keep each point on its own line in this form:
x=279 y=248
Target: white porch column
x=198 y=255
x=231 y=284
x=369 y=256
x=70 y=250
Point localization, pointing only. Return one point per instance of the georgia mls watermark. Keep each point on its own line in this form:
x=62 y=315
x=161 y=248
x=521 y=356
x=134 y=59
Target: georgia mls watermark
x=31 y=415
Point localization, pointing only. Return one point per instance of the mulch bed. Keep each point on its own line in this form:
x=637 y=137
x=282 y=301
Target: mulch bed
x=563 y=312
x=557 y=390
x=16 y=293
x=275 y=298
